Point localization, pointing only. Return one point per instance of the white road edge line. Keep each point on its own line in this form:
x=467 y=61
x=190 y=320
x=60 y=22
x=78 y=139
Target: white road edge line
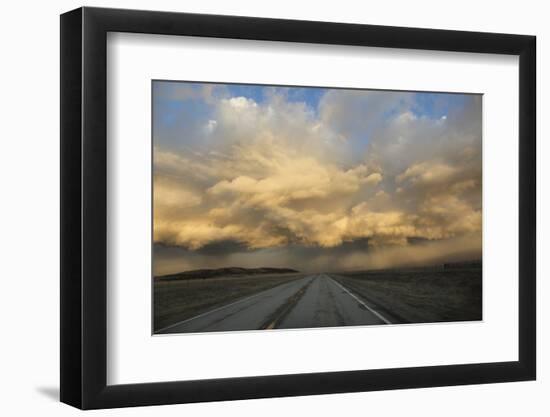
x=376 y=313
x=218 y=309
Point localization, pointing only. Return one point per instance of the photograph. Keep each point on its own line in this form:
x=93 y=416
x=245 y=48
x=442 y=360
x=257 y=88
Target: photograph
x=293 y=207
x=275 y=205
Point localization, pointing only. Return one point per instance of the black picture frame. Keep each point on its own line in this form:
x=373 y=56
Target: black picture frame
x=84 y=207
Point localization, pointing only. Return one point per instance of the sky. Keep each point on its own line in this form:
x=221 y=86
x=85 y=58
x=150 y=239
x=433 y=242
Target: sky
x=316 y=179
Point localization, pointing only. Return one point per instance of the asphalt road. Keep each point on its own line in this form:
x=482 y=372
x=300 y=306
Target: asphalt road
x=313 y=301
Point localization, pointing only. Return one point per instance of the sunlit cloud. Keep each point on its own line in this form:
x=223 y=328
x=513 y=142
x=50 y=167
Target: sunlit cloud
x=273 y=173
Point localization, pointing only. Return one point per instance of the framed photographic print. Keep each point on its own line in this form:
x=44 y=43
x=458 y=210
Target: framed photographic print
x=354 y=202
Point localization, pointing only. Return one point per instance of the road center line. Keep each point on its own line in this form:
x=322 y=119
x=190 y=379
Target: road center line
x=285 y=308
x=219 y=308
x=376 y=313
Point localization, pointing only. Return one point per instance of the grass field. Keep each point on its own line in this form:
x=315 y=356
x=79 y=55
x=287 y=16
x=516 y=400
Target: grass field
x=416 y=295
x=178 y=300
x=421 y=295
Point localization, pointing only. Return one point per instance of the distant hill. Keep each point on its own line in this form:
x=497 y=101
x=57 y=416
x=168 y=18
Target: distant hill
x=463 y=265
x=230 y=271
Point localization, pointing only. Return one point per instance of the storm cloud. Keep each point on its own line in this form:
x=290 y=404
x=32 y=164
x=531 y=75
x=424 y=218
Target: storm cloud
x=282 y=179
